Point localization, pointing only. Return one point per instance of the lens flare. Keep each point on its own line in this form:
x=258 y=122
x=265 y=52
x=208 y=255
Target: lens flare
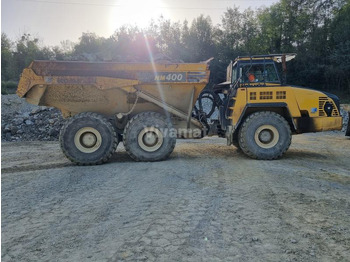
x=136 y=13
x=159 y=86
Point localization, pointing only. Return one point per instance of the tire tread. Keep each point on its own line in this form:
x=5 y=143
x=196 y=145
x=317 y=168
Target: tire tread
x=99 y=117
x=245 y=126
x=126 y=136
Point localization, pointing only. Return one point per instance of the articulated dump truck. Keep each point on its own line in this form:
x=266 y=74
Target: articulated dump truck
x=148 y=105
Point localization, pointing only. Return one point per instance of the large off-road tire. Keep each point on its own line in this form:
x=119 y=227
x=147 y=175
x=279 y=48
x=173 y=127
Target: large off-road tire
x=88 y=139
x=148 y=137
x=264 y=135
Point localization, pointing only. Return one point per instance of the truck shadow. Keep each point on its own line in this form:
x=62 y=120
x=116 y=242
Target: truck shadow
x=120 y=157
x=183 y=154
x=228 y=153
x=297 y=154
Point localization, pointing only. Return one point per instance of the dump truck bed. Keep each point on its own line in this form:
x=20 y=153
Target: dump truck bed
x=112 y=88
x=119 y=70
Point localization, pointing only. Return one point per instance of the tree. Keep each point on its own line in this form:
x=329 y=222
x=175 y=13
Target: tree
x=339 y=70
x=168 y=38
x=7 y=65
x=89 y=47
x=199 y=40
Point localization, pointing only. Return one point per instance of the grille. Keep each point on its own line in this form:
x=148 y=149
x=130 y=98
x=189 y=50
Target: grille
x=265 y=95
x=252 y=96
x=281 y=95
x=321 y=102
x=335 y=111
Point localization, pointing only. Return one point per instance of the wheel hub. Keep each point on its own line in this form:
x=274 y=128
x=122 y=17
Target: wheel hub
x=266 y=136
x=88 y=139
x=150 y=139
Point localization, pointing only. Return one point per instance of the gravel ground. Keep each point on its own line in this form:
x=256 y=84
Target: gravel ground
x=208 y=202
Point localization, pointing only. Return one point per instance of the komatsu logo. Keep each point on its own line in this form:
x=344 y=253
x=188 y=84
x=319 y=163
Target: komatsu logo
x=150 y=77
x=159 y=78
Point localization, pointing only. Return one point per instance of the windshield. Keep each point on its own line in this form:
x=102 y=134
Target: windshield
x=259 y=73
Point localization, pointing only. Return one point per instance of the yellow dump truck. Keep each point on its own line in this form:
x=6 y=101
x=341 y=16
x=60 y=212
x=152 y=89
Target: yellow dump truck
x=148 y=105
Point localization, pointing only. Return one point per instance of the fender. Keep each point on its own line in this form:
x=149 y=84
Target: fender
x=251 y=108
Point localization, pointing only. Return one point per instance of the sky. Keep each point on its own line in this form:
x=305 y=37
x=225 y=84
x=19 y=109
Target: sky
x=54 y=21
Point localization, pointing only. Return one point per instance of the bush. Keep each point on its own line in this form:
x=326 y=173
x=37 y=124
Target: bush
x=8 y=87
x=343 y=96
x=3 y=88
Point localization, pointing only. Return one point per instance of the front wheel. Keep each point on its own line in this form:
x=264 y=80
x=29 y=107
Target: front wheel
x=264 y=135
x=148 y=136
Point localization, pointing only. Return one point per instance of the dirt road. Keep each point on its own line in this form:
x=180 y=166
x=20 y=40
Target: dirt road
x=208 y=202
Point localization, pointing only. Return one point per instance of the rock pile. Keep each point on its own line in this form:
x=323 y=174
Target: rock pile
x=41 y=123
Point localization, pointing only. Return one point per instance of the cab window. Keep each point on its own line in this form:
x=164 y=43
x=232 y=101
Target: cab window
x=234 y=73
x=259 y=73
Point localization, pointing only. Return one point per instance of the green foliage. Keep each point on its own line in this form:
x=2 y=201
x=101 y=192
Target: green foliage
x=27 y=49
x=89 y=47
x=169 y=37
x=7 y=63
x=8 y=87
x=339 y=72
x=199 y=40
x=3 y=88
x=318 y=31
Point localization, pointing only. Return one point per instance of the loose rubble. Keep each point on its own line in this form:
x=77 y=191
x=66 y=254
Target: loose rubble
x=41 y=124
x=23 y=122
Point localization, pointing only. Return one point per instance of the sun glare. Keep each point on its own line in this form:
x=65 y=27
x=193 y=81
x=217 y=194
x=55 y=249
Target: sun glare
x=136 y=12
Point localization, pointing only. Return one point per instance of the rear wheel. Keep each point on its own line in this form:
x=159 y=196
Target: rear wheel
x=265 y=135
x=148 y=137
x=88 y=139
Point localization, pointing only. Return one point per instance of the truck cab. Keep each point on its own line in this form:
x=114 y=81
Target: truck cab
x=254 y=71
